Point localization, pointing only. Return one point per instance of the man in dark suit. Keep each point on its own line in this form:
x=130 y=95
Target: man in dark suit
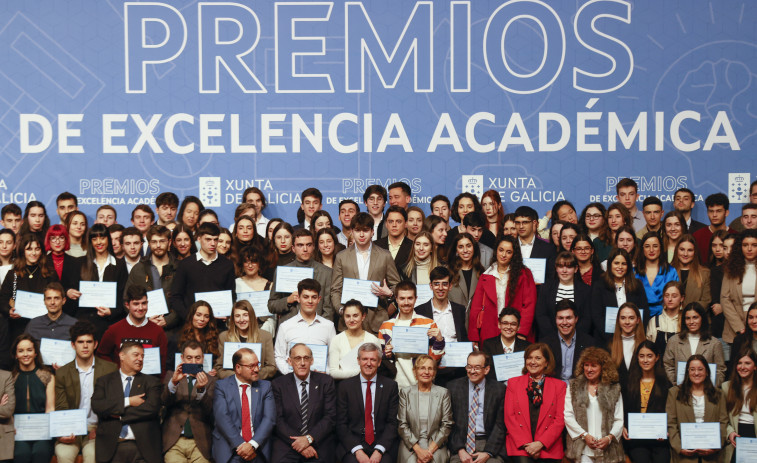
x=488 y=427
x=285 y=304
x=396 y=242
x=188 y=399
x=361 y=398
x=87 y=369
x=244 y=412
x=526 y=224
x=305 y=411
x=448 y=316
x=568 y=344
x=127 y=404
x=366 y=262
x=507 y=342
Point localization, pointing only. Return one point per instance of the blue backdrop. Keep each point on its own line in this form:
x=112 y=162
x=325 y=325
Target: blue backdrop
x=118 y=101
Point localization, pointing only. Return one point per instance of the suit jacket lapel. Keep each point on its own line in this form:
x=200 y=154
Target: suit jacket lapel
x=544 y=409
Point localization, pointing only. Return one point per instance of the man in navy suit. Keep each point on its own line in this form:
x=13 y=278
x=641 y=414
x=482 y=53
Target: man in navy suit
x=367 y=413
x=305 y=411
x=244 y=412
x=526 y=224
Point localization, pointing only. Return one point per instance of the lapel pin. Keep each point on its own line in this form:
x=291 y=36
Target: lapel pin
x=381 y=386
x=316 y=387
x=256 y=390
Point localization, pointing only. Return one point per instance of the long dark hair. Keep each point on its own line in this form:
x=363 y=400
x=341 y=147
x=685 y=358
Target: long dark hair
x=338 y=247
x=25 y=226
x=635 y=373
x=711 y=260
x=177 y=230
x=516 y=264
x=641 y=259
x=88 y=267
x=684 y=393
x=735 y=399
x=585 y=238
x=735 y=266
x=37 y=359
x=208 y=336
x=568 y=226
x=274 y=251
x=237 y=244
x=453 y=260
x=704 y=330
x=684 y=228
x=20 y=264
x=180 y=216
x=630 y=281
x=604 y=231
x=497 y=199
x=629 y=230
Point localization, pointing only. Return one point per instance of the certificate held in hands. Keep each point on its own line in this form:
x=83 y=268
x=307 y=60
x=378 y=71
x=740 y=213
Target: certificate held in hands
x=287 y=278
x=32 y=426
x=360 y=290
x=156 y=303
x=701 y=436
x=647 y=425
x=55 y=351
x=68 y=422
x=29 y=305
x=97 y=294
x=410 y=339
x=220 y=302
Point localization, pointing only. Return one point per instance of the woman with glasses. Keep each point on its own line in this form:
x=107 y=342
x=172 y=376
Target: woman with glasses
x=653 y=270
x=594 y=222
x=588 y=266
x=696 y=400
x=566 y=286
x=534 y=410
x=425 y=416
x=594 y=410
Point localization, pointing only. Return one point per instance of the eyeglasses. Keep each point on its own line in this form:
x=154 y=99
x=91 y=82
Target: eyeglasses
x=440 y=284
x=57 y=238
x=510 y=324
x=252 y=366
x=587 y=249
x=593 y=216
x=300 y=359
x=474 y=368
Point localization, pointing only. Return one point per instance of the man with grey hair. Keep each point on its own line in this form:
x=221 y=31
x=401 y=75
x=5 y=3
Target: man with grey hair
x=367 y=407
x=305 y=411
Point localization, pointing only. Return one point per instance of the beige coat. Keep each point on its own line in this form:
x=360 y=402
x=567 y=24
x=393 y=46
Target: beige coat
x=682 y=413
x=439 y=421
x=679 y=350
x=733 y=423
x=731 y=299
x=700 y=294
x=267 y=363
x=7 y=431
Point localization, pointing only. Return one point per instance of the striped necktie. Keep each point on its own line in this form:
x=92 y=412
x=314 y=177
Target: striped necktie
x=470 y=442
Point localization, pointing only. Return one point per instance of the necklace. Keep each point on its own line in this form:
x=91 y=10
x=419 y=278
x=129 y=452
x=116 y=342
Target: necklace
x=31 y=273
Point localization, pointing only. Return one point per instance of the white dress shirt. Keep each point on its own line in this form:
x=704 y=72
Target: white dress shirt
x=363 y=387
x=101 y=270
x=363 y=261
x=320 y=331
x=248 y=393
x=526 y=248
x=445 y=322
x=129 y=432
x=86 y=389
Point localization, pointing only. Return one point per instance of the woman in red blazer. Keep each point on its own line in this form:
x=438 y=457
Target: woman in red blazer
x=506 y=283
x=534 y=408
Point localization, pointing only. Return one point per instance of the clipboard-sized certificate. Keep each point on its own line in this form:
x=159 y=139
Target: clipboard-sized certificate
x=156 y=303
x=68 y=422
x=746 y=450
x=230 y=347
x=220 y=301
x=259 y=301
x=56 y=351
x=700 y=436
x=410 y=339
x=32 y=426
x=648 y=425
x=98 y=294
x=320 y=356
x=456 y=354
x=287 y=278
x=360 y=290
x=507 y=366
x=29 y=305
x=538 y=267
x=424 y=294
x=151 y=362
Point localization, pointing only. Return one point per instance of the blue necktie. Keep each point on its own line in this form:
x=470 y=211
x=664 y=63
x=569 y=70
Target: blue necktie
x=125 y=428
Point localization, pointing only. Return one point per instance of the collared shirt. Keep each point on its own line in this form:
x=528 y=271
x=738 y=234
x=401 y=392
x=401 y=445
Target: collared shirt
x=86 y=389
x=130 y=265
x=248 y=393
x=567 y=352
x=101 y=270
x=480 y=429
x=363 y=261
x=363 y=387
x=342 y=238
x=507 y=349
x=393 y=250
x=298 y=382
x=129 y=432
x=172 y=389
x=445 y=322
x=261 y=225
x=320 y=331
x=526 y=248
x=156 y=282
x=205 y=261
x=43 y=327
x=501 y=285
x=638 y=220
x=131 y=322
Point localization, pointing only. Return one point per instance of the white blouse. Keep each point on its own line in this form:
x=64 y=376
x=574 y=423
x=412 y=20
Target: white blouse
x=594 y=423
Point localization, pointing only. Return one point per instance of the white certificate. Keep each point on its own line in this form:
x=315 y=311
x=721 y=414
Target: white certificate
x=700 y=436
x=151 y=363
x=538 y=267
x=681 y=369
x=424 y=294
x=287 y=278
x=68 y=422
x=156 y=303
x=361 y=290
x=410 y=339
x=207 y=361
x=746 y=450
x=611 y=315
x=229 y=348
x=30 y=305
x=97 y=294
x=456 y=354
x=56 y=351
x=219 y=301
x=259 y=301
x=33 y=426
x=508 y=366
x=648 y=425
x=320 y=356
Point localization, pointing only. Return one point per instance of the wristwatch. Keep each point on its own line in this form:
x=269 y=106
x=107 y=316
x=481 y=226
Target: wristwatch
x=309 y=438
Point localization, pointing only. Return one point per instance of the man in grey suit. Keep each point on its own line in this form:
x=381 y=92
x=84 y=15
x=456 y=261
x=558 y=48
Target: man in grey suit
x=478 y=406
x=285 y=305
x=365 y=262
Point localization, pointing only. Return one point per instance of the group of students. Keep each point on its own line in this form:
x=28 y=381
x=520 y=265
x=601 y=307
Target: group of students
x=616 y=310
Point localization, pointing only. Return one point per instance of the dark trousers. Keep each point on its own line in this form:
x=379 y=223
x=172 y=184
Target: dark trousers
x=38 y=451
x=127 y=452
x=656 y=454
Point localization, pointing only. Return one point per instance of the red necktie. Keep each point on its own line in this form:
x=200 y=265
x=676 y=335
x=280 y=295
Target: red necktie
x=368 y=412
x=246 y=422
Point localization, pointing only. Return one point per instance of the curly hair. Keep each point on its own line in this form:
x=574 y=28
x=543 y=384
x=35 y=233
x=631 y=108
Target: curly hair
x=601 y=358
x=455 y=264
x=207 y=337
x=735 y=266
x=516 y=263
